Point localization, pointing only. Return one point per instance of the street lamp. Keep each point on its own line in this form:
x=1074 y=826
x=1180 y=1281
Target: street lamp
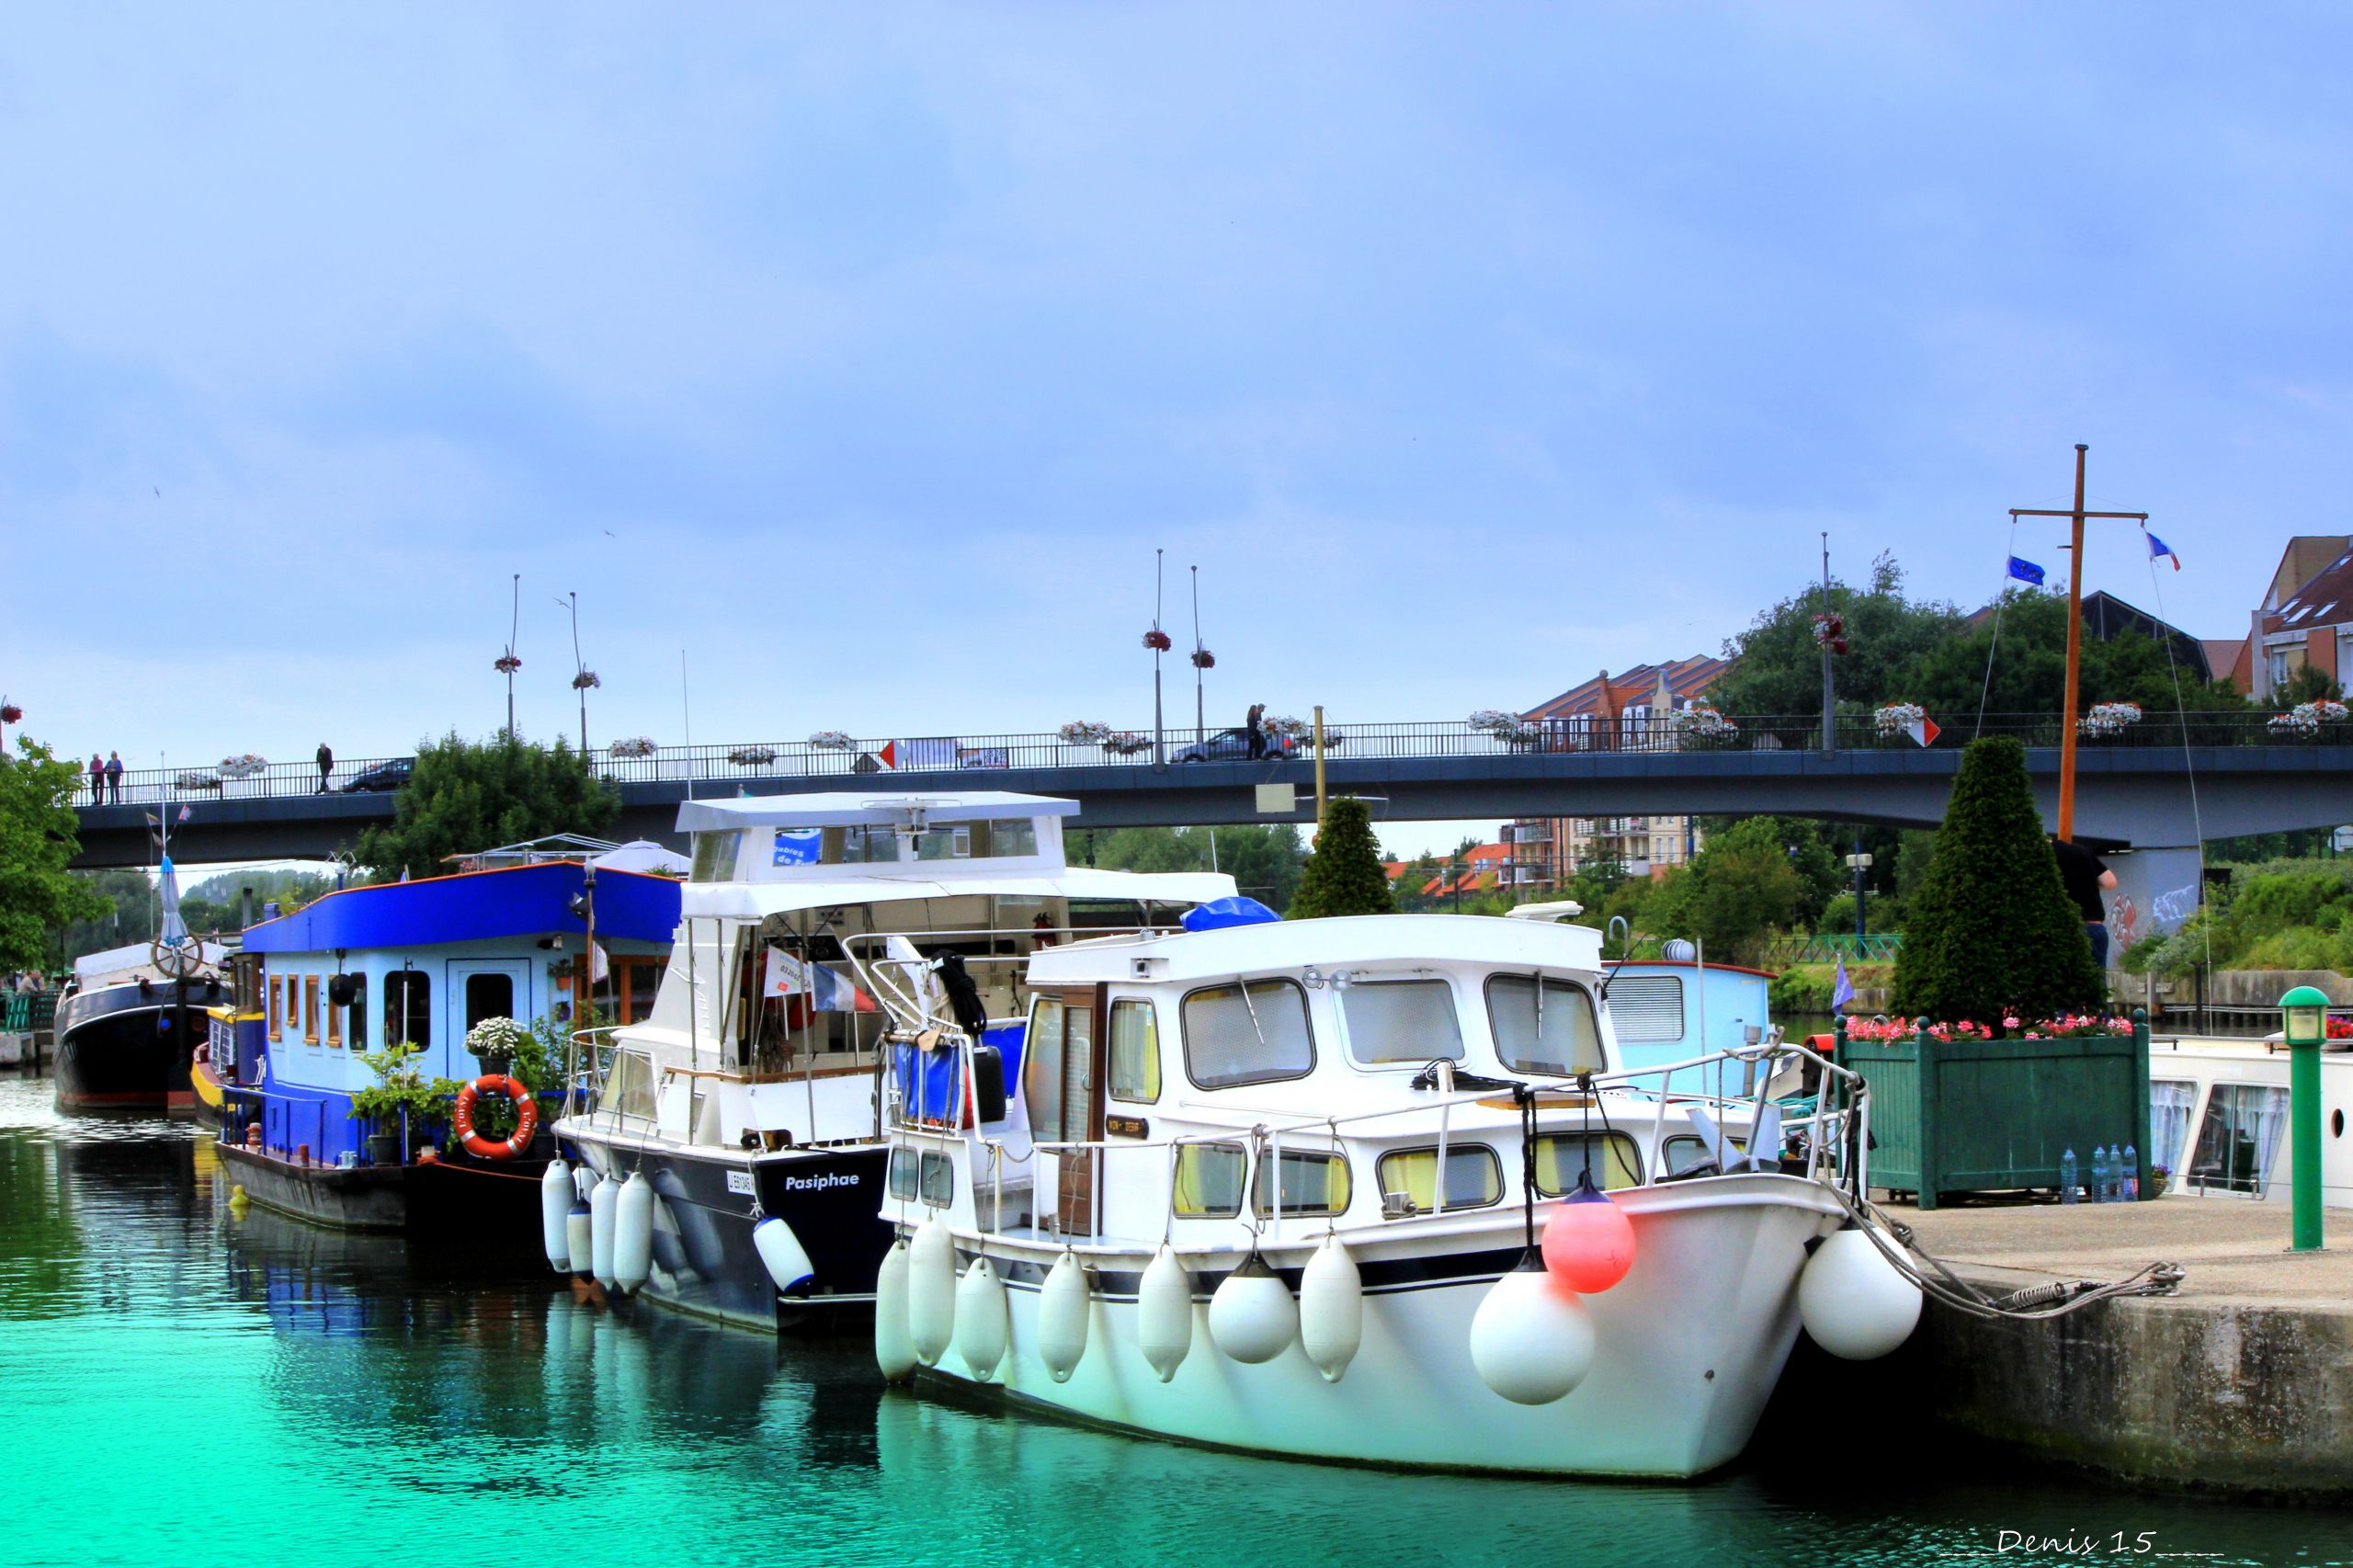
x=1858 y=863
x=2304 y=1014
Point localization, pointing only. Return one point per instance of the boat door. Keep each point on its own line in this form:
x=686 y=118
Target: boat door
x=486 y=988
x=1063 y=1087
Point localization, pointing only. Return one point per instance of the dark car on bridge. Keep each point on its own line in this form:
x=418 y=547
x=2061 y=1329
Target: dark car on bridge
x=383 y=778
x=1233 y=746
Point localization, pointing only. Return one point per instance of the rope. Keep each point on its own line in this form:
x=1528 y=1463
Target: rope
x=2033 y=1304
x=2000 y=595
x=2188 y=769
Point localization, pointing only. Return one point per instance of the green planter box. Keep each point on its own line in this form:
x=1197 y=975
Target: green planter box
x=1994 y=1116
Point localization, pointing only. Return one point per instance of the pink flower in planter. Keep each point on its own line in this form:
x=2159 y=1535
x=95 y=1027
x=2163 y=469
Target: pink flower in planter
x=2009 y=1021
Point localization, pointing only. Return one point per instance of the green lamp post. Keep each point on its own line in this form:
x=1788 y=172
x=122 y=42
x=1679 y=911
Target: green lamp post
x=2306 y=1013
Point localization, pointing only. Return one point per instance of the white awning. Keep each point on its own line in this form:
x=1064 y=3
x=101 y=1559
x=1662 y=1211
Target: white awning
x=643 y=855
x=757 y=900
x=877 y=808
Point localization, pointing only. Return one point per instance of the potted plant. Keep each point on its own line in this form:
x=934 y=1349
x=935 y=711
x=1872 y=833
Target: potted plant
x=400 y=1092
x=494 y=1040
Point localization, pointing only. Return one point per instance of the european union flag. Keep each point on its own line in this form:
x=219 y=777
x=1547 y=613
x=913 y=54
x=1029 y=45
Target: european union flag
x=2025 y=571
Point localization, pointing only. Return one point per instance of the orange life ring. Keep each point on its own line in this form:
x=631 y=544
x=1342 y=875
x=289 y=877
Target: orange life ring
x=526 y=1117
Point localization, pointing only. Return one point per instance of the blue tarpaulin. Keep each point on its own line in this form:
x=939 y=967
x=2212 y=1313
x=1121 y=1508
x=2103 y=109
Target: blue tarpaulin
x=1219 y=913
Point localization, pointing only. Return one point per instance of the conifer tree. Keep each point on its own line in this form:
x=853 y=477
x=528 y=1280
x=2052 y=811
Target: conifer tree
x=1991 y=928
x=1344 y=875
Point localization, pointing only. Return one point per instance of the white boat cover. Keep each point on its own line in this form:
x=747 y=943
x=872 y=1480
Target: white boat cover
x=757 y=900
x=643 y=855
x=133 y=959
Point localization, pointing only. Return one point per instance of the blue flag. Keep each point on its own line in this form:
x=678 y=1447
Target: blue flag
x=2025 y=571
x=2160 y=551
x=1843 y=991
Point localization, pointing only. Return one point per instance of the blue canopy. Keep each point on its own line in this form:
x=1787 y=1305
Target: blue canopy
x=1219 y=913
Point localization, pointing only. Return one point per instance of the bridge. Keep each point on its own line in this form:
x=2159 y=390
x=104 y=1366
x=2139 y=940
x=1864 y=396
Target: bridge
x=2154 y=787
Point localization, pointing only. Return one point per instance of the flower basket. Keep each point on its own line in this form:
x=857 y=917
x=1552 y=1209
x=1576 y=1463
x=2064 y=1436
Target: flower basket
x=10 y=712
x=632 y=746
x=585 y=681
x=830 y=740
x=1157 y=641
x=1202 y=660
x=1084 y=733
x=2306 y=721
x=1125 y=743
x=752 y=757
x=1504 y=726
x=1895 y=718
x=197 y=781
x=1701 y=722
x=248 y=765
x=2108 y=719
x=495 y=1039
x=506 y=663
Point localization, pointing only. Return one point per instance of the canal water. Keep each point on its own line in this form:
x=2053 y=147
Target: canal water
x=180 y=1386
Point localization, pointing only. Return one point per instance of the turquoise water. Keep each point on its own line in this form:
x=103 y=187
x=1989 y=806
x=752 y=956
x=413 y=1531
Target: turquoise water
x=179 y=1386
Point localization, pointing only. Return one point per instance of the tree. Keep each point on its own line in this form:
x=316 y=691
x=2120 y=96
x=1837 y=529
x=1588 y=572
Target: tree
x=1263 y=860
x=1777 y=664
x=37 y=895
x=2309 y=684
x=1990 y=929
x=1344 y=875
x=2030 y=669
x=466 y=796
x=1742 y=886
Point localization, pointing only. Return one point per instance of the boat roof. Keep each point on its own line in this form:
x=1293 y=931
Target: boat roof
x=1385 y=942
x=133 y=959
x=757 y=900
x=511 y=901
x=843 y=809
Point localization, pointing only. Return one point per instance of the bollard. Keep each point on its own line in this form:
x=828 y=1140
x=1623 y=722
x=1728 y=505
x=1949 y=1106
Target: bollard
x=2304 y=1012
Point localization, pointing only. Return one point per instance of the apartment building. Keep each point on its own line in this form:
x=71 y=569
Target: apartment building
x=2306 y=617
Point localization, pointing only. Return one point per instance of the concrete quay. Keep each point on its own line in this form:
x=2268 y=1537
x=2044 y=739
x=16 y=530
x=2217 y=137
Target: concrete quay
x=2243 y=1382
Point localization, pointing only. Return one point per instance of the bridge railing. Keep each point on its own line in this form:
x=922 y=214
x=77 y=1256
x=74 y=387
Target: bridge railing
x=968 y=754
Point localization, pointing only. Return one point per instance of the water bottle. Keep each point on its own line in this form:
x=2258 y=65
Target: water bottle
x=2099 y=1173
x=2132 y=1192
x=2067 y=1190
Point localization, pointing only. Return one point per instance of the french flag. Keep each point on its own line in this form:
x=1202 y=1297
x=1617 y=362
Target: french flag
x=828 y=992
x=2160 y=551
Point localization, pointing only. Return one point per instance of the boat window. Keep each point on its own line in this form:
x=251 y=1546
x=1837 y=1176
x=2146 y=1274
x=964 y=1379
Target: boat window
x=309 y=1009
x=277 y=1005
x=2239 y=1138
x=862 y=846
x=356 y=1016
x=1255 y=1037
x=334 y=1021
x=1042 y=1077
x=1684 y=1152
x=938 y=1187
x=1209 y=1180
x=2170 y=1102
x=1402 y=1020
x=1543 y=1024
x=1135 y=1053
x=715 y=855
x=1474 y=1178
x=629 y=1085
x=1646 y=1008
x=1611 y=1157
x=954 y=843
x=489 y=996
x=902 y=1173
x=408 y=1008
x=1314 y=1182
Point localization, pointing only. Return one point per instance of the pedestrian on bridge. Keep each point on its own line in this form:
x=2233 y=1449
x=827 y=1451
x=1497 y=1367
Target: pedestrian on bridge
x=97 y=780
x=1254 y=730
x=113 y=777
x=327 y=766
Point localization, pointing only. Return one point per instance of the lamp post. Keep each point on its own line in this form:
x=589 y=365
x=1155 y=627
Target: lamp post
x=1858 y=863
x=2304 y=1013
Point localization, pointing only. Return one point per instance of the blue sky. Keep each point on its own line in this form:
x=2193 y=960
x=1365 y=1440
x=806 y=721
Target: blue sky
x=866 y=354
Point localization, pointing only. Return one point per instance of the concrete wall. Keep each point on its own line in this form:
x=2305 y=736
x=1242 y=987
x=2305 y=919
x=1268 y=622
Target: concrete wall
x=2263 y=987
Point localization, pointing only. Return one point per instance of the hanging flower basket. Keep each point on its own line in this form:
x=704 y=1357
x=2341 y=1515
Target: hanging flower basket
x=2304 y=720
x=197 y=781
x=2108 y=718
x=1157 y=641
x=752 y=757
x=1504 y=726
x=10 y=712
x=1701 y=722
x=246 y=766
x=1898 y=717
x=1084 y=733
x=506 y=663
x=1126 y=742
x=831 y=740
x=1203 y=659
x=585 y=681
x=632 y=746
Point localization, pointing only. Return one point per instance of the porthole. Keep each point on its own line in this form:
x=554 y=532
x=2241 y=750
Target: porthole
x=2336 y=1124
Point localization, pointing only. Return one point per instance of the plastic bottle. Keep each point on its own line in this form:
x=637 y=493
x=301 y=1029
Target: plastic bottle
x=2099 y=1173
x=2132 y=1189
x=2068 y=1190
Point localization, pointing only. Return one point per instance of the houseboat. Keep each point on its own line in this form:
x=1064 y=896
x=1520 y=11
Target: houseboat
x=419 y=964
x=1281 y=1186
x=2218 y=1118
x=732 y=1141
x=128 y=1025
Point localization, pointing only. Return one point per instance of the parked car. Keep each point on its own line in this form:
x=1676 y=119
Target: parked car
x=1233 y=746
x=383 y=776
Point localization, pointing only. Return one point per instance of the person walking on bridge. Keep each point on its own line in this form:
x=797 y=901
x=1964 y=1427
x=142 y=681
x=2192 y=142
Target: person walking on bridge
x=1254 y=730
x=327 y=766
x=113 y=777
x=97 y=780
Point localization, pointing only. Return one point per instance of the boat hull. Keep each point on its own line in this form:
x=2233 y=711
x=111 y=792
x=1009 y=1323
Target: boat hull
x=1690 y=1344
x=704 y=1260
x=122 y=1049
x=497 y=1210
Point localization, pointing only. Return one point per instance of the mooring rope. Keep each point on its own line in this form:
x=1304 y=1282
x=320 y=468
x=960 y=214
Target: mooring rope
x=2038 y=1302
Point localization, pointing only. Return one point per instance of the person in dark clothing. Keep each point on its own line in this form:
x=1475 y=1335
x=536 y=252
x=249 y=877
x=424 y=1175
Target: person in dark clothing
x=2085 y=877
x=1254 y=731
x=113 y=777
x=97 y=780
x=327 y=766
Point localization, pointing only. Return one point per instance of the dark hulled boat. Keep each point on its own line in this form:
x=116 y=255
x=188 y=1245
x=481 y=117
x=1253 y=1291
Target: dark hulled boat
x=127 y=1031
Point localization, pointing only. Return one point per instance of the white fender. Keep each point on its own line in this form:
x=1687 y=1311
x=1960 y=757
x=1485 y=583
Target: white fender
x=579 y=1244
x=931 y=1290
x=781 y=1252
x=1853 y=1302
x=1331 y=1309
x=603 y=1204
x=894 y=1352
x=1165 y=1313
x=1531 y=1341
x=1251 y=1315
x=981 y=1319
x=634 y=1233
x=1063 y=1304
x=555 y=1206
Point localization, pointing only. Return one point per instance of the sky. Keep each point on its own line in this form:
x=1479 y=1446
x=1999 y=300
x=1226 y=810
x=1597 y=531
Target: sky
x=867 y=354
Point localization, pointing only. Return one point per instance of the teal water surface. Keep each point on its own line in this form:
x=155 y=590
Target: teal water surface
x=181 y=1386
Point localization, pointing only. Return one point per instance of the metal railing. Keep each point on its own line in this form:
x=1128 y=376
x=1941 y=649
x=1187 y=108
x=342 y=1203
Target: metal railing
x=730 y=765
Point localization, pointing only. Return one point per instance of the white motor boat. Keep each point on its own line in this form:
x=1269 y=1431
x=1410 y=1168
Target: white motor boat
x=1328 y=1188
x=2218 y=1118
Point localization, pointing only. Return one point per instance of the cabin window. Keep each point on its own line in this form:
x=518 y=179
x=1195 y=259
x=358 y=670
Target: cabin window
x=309 y=1009
x=1611 y=1157
x=1209 y=1180
x=1253 y=1035
x=334 y=1022
x=629 y=1085
x=356 y=1016
x=945 y=843
x=1474 y=1178
x=902 y=1173
x=2239 y=1137
x=939 y=1183
x=1314 y=1182
x=277 y=1007
x=2170 y=1101
x=1646 y=1008
x=1043 y=1075
x=714 y=859
x=1547 y=1026
x=489 y=996
x=408 y=1008
x=1684 y=1153
x=1402 y=1020
x=1135 y=1053
x=245 y=969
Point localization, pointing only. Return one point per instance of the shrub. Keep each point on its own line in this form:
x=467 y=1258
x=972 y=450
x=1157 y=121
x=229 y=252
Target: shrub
x=1344 y=875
